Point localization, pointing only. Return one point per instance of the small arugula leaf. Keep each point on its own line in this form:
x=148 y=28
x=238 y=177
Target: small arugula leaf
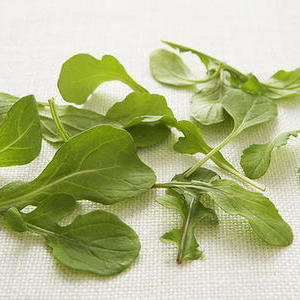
x=75 y=120
x=284 y=84
x=255 y=207
x=168 y=68
x=143 y=112
x=100 y=164
x=256 y=158
x=82 y=73
x=192 y=211
x=211 y=63
x=206 y=105
x=20 y=133
x=97 y=242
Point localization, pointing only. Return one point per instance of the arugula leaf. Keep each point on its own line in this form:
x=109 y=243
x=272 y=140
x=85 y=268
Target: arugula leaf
x=75 y=120
x=145 y=116
x=100 y=164
x=206 y=105
x=247 y=110
x=256 y=208
x=256 y=158
x=193 y=142
x=97 y=242
x=235 y=200
x=212 y=62
x=20 y=133
x=81 y=74
x=168 y=68
x=192 y=211
x=284 y=84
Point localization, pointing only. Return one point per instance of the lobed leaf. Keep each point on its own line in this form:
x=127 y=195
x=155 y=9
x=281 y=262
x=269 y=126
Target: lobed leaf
x=81 y=74
x=256 y=158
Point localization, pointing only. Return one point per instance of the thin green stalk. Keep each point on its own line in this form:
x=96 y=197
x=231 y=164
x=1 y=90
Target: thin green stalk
x=209 y=155
x=213 y=76
x=185 y=232
x=59 y=126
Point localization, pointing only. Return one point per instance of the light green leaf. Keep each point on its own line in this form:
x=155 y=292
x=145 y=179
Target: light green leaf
x=168 y=68
x=206 y=105
x=97 y=242
x=256 y=158
x=284 y=84
x=6 y=102
x=100 y=164
x=82 y=73
x=256 y=208
x=248 y=110
x=145 y=116
x=186 y=202
x=20 y=133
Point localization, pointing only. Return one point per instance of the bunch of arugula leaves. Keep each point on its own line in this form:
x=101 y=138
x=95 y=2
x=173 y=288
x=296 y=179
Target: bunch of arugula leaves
x=97 y=160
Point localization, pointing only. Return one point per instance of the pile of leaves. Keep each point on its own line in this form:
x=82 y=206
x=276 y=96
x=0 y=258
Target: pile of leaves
x=97 y=159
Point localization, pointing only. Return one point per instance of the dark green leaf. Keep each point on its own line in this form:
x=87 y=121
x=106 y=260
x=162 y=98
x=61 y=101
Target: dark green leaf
x=82 y=73
x=13 y=220
x=100 y=164
x=97 y=242
x=20 y=133
x=256 y=158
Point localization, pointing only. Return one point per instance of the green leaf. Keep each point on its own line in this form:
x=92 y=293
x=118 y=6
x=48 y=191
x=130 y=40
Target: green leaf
x=145 y=116
x=82 y=73
x=75 y=120
x=97 y=242
x=256 y=158
x=168 y=68
x=253 y=86
x=256 y=208
x=248 y=110
x=206 y=105
x=100 y=164
x=20 y=133
x=210 y=62
x=284 y=84
x=186 y=202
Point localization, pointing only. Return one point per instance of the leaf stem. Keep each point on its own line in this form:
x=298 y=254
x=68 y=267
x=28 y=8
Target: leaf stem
x=59 y=126
x=187 y=224
x=213 y=76
x=209 y=155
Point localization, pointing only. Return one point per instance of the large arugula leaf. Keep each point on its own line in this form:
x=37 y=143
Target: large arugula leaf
x=100 y=164
x=145 y=116
x=97 y=242
x=6 y=102
x=256 y=158
x=256 y=208
x=186 y=202
x=20 y=133
x=82 y=73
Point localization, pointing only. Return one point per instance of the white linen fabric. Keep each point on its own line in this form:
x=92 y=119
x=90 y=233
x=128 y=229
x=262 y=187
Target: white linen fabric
x=255 y=36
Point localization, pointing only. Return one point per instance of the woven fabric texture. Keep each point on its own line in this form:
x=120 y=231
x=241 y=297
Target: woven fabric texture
x=256 y=36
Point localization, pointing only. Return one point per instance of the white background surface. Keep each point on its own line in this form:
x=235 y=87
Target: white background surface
x=36 y=37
